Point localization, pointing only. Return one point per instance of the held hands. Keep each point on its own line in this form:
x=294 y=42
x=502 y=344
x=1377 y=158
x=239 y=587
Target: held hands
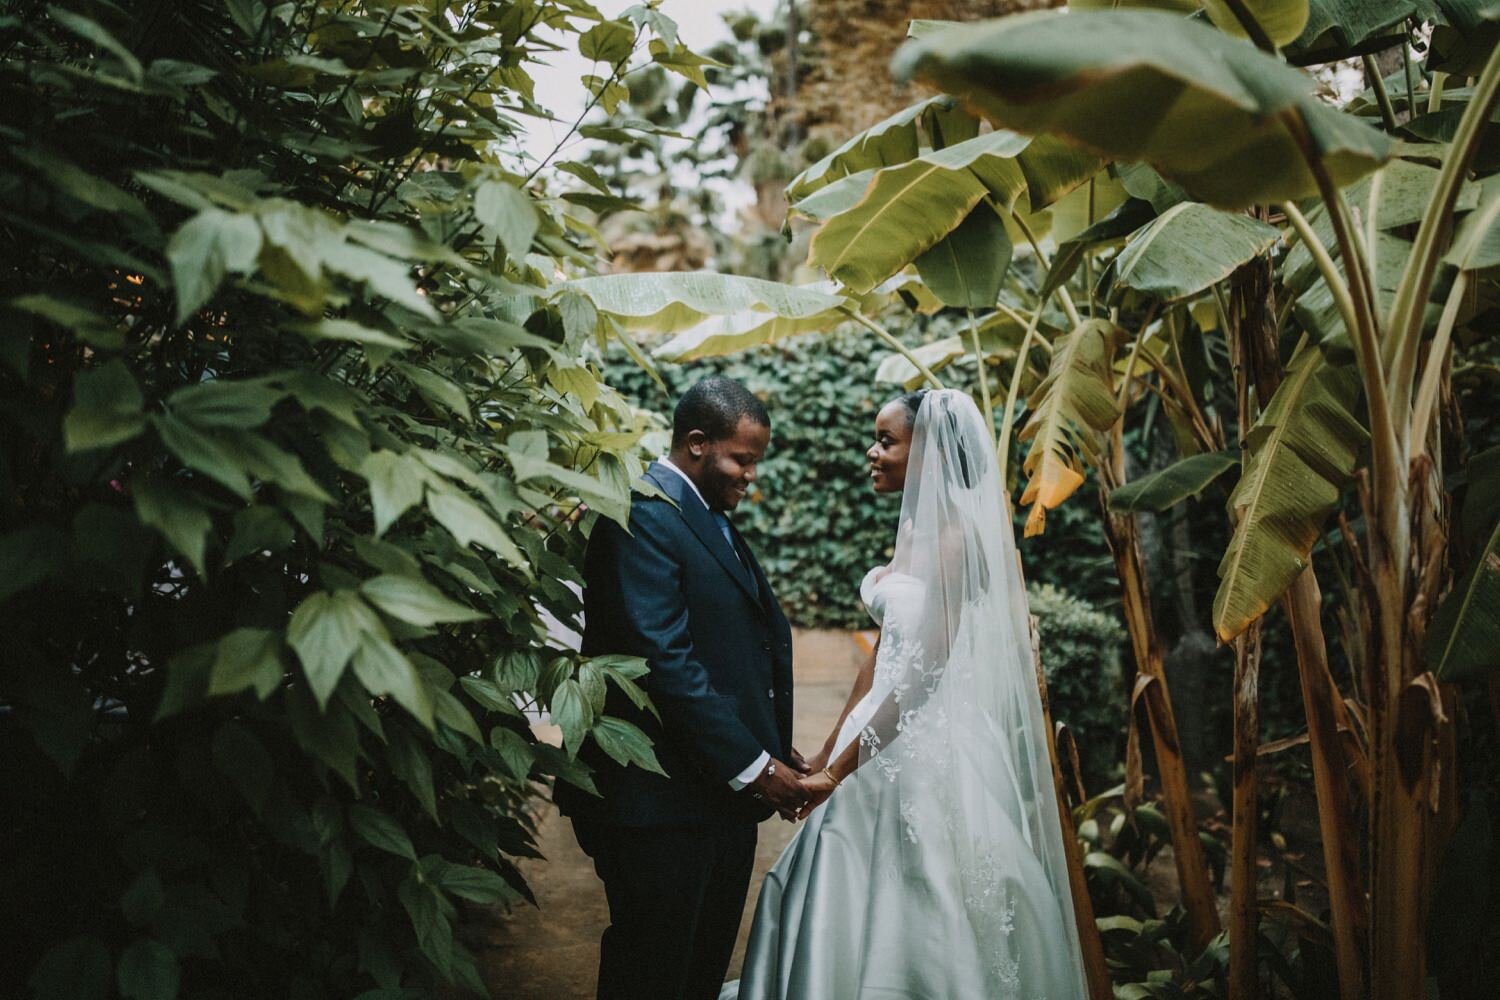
x=800 y=765
x=777 y=784
x=816 y=787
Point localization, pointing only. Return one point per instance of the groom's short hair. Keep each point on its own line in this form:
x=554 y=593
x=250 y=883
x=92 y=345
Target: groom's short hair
x=715 y=406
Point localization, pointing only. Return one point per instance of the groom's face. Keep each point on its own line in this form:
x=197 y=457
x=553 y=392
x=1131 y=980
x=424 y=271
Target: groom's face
x=726 y=468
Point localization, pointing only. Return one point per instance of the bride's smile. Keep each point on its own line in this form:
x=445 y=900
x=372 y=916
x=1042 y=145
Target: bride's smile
x=887 y=456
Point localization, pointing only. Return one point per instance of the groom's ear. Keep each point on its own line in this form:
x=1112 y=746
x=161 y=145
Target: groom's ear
x=696 y=442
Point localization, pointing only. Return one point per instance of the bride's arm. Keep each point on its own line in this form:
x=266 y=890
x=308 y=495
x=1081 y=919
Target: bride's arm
x=823 y=780
x=862 y=683
x=821 y=783
x=935 y=629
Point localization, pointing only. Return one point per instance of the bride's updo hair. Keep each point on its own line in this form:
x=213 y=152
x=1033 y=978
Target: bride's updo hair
x=969 y=466
x=913 y=402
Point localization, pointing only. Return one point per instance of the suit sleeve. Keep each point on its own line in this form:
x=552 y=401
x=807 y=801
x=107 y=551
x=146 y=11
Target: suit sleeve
x=648 y=579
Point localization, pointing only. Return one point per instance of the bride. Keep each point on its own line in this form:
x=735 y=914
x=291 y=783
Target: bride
x=936 y=869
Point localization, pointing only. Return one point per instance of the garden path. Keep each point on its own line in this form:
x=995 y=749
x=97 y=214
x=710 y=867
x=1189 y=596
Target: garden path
x=551 y=951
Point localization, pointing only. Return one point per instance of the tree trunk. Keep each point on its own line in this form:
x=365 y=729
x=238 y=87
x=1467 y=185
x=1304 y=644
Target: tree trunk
x=1192 y=868
x=1337 y=823
x=1244 y=915
x=1090 y=942
x=1260 y=366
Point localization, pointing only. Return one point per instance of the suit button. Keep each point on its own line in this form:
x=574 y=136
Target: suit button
x=770 y=692
x=766 y=646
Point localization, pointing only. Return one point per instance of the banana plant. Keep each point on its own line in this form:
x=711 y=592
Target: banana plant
x=1235 y=127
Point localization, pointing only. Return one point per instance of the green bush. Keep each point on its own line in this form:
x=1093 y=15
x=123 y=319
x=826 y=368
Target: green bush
x=1081 y=656
x=291 y=422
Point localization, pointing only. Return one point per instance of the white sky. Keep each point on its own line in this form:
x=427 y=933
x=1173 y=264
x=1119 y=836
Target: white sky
x=559 y=85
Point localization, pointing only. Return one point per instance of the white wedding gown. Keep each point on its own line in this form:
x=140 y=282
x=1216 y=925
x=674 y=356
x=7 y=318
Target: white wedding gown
x=935 y=871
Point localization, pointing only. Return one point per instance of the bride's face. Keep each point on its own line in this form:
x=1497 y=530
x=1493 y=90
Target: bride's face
x=887 y=455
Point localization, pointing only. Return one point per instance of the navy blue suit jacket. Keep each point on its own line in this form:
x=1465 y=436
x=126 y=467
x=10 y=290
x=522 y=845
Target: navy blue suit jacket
x=719 y=651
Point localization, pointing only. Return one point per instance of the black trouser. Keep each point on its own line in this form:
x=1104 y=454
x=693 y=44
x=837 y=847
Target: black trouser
x=676 y=895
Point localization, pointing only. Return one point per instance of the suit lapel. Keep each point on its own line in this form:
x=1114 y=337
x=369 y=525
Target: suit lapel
x=701 y=522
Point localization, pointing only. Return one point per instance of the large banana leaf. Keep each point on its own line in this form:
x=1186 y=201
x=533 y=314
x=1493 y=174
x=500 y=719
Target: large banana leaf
x=967 y=267
x=839 y=196
x=1187 y=249
x=1075 y=401
x=1168 y=487
x=739 y=331
x=710 y=313
x=936 y=355
x=1210 y=112
x=666 y=302
x=1463 y=638
x=1338 y=29
x=884 y=144
x=1281 y=21
x=1476 y=245
x=1298 y=455
x=1052 y=168
x=908 y=208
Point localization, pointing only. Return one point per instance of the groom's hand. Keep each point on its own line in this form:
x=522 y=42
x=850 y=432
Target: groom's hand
x=777 y=785
x=799 y=763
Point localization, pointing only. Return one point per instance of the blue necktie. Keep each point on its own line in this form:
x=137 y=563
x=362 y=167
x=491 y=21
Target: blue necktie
x=724 y=530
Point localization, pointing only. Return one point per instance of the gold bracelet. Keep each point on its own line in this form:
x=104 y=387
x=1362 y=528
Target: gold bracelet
x=831 y=777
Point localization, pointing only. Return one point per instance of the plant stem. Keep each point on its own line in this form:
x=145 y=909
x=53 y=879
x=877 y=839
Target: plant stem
x=1063 y=298
x=1411 y=89
x=1372 y=227
x=1433 y=374
x=984 y=379
x=1088 y=258
x=1251 y=25
x=1387 y=110
x=1435 y=95
x=894 y=344
x=1385 y=442
x=1135 y=350
x=1335 y=281
x=1002 y=451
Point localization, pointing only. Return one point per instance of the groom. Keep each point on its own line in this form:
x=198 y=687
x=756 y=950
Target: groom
x=683 y=590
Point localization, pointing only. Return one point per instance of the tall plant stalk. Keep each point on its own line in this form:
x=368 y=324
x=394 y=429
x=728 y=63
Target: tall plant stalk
x=1122 y=535
x=1091 y=943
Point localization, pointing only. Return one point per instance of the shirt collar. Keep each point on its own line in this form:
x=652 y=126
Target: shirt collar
x=664 y=460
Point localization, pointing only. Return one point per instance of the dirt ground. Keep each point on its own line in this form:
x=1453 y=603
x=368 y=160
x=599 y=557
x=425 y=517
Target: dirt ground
x=551 y=951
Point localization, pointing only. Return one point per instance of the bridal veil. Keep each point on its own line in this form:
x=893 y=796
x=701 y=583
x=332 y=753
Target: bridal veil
x=937 y=869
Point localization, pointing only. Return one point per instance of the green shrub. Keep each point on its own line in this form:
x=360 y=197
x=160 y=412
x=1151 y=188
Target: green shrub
x=291 y=421
x=1081 y=656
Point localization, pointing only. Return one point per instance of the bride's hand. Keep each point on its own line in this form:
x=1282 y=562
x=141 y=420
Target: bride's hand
x=816 y=762
x=817 y=787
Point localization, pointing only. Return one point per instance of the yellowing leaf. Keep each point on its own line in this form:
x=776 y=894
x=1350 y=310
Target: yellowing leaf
x=1075 y=401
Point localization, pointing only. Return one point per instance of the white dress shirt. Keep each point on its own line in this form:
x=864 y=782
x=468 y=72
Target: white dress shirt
x=740 y=781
